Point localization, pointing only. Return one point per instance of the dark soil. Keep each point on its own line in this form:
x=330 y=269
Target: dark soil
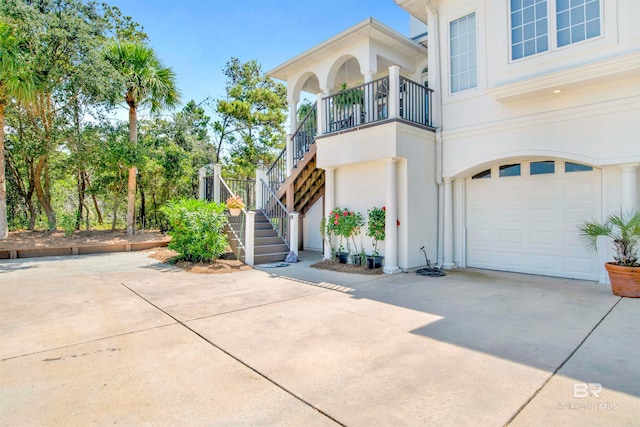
x=345 y=268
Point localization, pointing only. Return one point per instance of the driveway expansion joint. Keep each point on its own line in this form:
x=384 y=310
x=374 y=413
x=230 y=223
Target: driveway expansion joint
x=242 y=362
x=89 y=341
x=564 y=362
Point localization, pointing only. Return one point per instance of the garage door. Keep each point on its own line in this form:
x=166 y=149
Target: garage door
x=523 y=217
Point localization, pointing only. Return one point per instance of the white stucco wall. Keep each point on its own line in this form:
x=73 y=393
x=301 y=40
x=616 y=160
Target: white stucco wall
x=360 y=182
x=312 y=240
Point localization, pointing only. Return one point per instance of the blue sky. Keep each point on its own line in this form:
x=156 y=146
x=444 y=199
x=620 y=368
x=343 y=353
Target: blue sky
x=197 y=37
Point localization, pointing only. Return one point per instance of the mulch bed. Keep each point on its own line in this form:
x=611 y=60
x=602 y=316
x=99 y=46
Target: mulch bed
x=345 y=268
x=220 y=266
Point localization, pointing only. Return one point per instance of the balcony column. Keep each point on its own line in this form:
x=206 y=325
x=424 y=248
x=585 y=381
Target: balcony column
x=329 y=202
x=217 y=173
x=448 y=225
x=293 y=115
x=629 y=187
x=320 y=114
x=394 y=92
x=294 y=227
x=391 y=218
x=289 y=145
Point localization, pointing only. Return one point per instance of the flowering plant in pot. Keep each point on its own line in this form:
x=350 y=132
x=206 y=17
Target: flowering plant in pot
x=375 y=230
x=235 y=205
x=344 y=223
x=624 y=230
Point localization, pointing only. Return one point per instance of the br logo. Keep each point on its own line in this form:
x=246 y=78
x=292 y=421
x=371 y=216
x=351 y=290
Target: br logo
x=582 y=390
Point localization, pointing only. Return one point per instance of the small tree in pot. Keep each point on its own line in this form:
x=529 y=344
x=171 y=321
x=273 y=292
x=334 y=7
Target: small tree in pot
x=344 y=223
x=375 y=230
x=624 y=229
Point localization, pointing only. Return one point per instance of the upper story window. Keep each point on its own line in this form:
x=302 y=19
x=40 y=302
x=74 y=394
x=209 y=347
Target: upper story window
x=462 y=52
x=529 y=29
x=575 y=21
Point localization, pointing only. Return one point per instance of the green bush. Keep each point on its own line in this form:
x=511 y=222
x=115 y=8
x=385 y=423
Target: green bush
x=196 y=229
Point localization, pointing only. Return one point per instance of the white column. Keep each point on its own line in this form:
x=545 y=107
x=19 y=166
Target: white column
x=289 y=153
x=329 y=202
x=261 y=175
x=394 y=92
x=368 y=75
x=294 y=232
x=293 y=115
x=249 y=239
x=320 y=113
x=217 y=171
x=448 y=225
x=630 y=187
x=391 y=218
x=202 y=173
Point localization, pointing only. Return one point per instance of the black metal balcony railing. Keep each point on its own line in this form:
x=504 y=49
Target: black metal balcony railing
x=415 y=102
x=349 y=108
x=369 y=103
x=305 y=135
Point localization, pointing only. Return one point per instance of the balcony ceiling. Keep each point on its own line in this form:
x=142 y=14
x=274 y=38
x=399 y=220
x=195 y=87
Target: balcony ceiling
x=368 y=29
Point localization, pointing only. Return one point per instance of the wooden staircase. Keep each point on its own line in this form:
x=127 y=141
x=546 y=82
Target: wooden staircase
x=268 y=247
x=304 y=186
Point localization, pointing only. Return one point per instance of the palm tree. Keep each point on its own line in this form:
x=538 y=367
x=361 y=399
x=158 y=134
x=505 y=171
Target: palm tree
x=145 y=81
x=16 y=82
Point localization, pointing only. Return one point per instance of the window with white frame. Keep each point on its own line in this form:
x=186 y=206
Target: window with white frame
x=529 y=29
x=575 y=21
x=462 y=53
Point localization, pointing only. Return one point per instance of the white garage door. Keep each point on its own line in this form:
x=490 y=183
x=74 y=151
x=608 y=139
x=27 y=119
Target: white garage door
x=523 y=217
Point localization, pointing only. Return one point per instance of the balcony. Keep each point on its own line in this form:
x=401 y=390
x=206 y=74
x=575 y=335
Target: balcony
x=377 y=102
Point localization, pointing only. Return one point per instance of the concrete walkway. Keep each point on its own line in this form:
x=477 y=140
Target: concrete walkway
x=119 y=338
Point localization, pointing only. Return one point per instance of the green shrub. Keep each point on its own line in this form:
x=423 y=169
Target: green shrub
x=196 y=229
x=68 y=222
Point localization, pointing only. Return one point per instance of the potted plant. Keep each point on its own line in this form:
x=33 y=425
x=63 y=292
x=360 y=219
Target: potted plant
x=235 y=205
x=343 y=223
x=624 y=229
x=375 y=230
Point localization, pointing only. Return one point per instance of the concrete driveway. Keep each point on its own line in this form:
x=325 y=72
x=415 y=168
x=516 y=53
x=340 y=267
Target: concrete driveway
x=121 y=339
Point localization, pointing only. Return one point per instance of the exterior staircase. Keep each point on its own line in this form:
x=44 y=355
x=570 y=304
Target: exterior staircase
x=283 y=193
x=268 y=247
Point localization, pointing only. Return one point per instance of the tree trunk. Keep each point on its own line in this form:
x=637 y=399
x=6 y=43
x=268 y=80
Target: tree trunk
x=143 y=207
x=81 y=188
x=114 y=220
x=4 y=225
x=95 y=201
x=131 y=185
x=43 y=194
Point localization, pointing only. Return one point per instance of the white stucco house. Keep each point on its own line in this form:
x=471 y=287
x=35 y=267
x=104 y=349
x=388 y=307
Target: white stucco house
x=490 y=132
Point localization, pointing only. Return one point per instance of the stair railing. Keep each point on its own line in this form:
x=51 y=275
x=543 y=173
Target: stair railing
x=277 y=173
x=305 y=135
x=236 y=223
x=275 y=211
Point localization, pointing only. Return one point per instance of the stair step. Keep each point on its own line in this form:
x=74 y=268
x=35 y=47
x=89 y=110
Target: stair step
x=268 y=249
x=265 y=232
x=268 y=258
x=268 y=240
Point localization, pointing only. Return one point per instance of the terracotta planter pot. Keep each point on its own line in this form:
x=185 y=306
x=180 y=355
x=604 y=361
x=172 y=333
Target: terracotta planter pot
x=625 y=281
x=235 y=211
